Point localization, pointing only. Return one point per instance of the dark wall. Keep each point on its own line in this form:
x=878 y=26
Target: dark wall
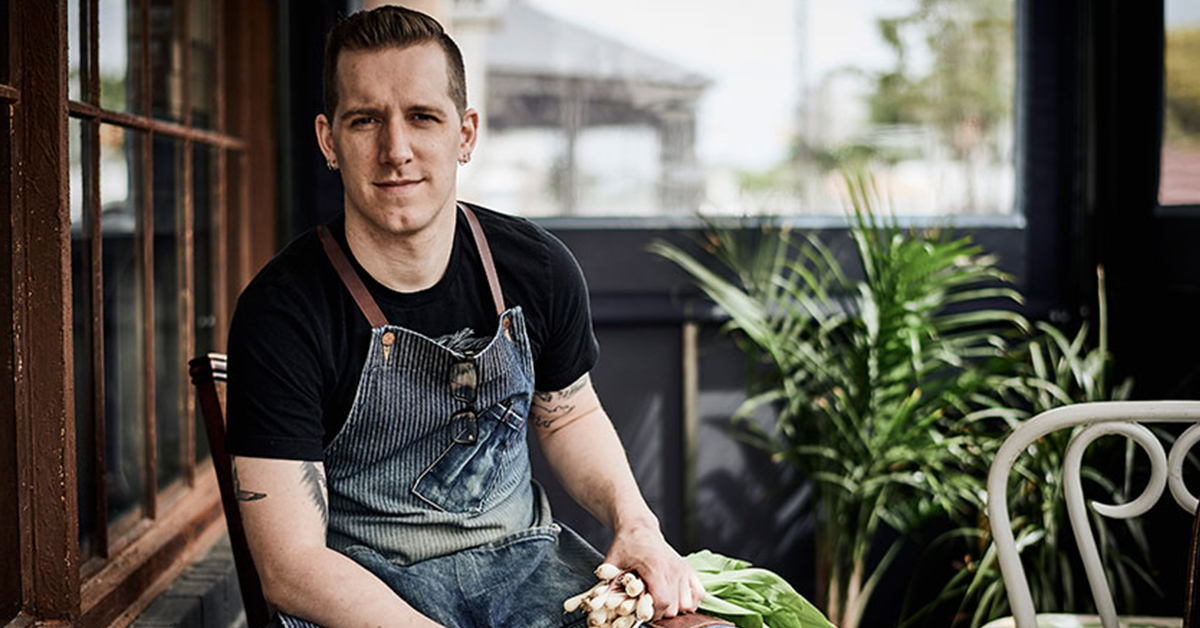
x=309 y=194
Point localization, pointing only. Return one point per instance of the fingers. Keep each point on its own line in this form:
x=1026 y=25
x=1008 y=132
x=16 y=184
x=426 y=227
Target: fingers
x=691 y=592
x=663 y=591
x=676 y=590
x=698 y=592
x=686 y=604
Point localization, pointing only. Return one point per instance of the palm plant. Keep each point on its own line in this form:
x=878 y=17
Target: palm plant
x=872 y=380
x=1050 y=370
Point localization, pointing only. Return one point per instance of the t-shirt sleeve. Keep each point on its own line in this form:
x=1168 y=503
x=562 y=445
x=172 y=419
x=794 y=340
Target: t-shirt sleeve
x=274 y=399
x=571 y=349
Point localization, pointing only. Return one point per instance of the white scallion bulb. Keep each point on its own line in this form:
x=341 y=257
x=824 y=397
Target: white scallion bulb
x=572 y=604
x=645 y=607
x=624 y=621
x=607 y=571
x=597 y=602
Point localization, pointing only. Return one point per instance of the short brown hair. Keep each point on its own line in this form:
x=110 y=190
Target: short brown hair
x=387 y=27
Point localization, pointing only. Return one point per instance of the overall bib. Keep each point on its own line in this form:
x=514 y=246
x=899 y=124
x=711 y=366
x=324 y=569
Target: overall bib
x=429 y=480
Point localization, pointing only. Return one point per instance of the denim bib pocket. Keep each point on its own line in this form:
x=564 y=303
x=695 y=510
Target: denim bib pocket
x=464 y=478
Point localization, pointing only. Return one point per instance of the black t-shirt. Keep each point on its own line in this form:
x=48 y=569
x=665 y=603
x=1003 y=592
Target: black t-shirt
x=298 y=341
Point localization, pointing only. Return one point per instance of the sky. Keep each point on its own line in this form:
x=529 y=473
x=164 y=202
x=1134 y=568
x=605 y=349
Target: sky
x=752 y=55
x=1181 y=12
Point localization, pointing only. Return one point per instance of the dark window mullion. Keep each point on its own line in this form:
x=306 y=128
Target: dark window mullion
x=146 y=246
x=183 y=242
x=219 y=251
x=92 y=205
x=89 y=52
x=219 y=61
x=185 y=33
x=146 y=233
x=184 y=234
x=142 y=123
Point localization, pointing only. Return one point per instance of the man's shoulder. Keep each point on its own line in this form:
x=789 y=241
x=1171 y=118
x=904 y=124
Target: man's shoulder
x=499 y=225
x=516 y=236
x=295 y=276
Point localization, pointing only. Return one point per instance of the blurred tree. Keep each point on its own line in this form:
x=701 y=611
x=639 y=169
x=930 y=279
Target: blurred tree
x=965 y=90
x=1182 y=85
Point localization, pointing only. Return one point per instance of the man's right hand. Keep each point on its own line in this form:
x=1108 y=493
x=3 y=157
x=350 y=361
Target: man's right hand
x=284 y=505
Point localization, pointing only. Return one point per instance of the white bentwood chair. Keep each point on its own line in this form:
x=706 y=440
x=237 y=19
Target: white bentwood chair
x=1100 y=419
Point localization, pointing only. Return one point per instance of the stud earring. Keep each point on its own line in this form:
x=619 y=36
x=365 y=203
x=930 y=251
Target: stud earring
x=332 y=166
x=464 y=159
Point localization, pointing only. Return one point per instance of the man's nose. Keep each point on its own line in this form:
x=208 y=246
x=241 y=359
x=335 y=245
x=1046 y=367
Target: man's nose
x=395 y=146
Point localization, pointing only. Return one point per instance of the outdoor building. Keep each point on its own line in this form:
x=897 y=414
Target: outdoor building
x=155 y=154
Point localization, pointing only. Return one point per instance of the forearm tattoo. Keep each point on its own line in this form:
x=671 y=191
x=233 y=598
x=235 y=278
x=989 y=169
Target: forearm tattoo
x=314 y=480
x=238 y=493
x=549 y=407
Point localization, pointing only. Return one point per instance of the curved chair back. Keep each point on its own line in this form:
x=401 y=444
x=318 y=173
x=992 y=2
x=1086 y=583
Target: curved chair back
x=1100 y=419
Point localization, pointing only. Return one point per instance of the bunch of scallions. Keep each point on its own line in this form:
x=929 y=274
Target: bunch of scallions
x=620 y=600
x=744 y=595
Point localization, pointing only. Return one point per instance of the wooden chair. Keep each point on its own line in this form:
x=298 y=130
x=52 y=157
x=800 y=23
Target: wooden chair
x=1100 y=419
x=207 y=371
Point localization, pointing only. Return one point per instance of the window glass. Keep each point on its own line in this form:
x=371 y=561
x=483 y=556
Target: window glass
x=81 y=325
x=698 y=105
x=1180 y=182
x=124 y=365
x=204 y=162
x=166 y=61
x=120 y=59
x=204 y=62
x=168 y=365
x=73 y=47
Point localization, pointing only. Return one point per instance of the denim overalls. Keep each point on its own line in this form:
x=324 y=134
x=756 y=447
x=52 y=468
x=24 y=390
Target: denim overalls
x=429 y=479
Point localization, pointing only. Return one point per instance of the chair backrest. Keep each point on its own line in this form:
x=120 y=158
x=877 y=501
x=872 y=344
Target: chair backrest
x=207 y=371
x=1191 y=606
x=1100 y=419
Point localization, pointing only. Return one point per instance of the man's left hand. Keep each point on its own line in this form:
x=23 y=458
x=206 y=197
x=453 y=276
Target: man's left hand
x=668 y=577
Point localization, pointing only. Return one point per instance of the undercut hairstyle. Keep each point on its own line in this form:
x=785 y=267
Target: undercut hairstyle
x=390 y=27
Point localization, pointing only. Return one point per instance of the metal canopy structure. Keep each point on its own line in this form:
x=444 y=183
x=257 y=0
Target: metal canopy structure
x=548 y=73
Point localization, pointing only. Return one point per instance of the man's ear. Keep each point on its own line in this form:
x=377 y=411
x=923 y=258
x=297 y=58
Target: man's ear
x=324 y=131
x=469 y=131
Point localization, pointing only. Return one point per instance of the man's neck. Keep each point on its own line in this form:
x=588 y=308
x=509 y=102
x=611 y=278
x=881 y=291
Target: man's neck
x=404 y=263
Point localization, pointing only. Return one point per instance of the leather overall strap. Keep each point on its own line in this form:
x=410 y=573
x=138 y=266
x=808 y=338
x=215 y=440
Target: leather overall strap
x=366 y=303
x=485 y=254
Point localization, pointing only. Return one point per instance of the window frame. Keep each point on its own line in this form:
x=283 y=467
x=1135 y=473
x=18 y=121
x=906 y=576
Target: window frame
x=136 y=557
x=1169 y=210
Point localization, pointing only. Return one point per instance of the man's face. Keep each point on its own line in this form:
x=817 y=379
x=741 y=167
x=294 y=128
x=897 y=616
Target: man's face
x=396 y=136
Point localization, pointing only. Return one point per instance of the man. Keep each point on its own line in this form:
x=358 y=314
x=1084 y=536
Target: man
x=384 y=370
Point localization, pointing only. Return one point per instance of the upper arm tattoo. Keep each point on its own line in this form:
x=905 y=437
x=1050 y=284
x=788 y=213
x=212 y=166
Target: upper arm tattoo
x=549 y=407
x=238 y=493
x=314 y=480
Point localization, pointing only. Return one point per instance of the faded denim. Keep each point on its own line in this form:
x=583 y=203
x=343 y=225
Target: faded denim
x=445 y=512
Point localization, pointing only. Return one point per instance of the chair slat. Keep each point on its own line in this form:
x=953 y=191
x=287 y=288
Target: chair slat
x=205 y=372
